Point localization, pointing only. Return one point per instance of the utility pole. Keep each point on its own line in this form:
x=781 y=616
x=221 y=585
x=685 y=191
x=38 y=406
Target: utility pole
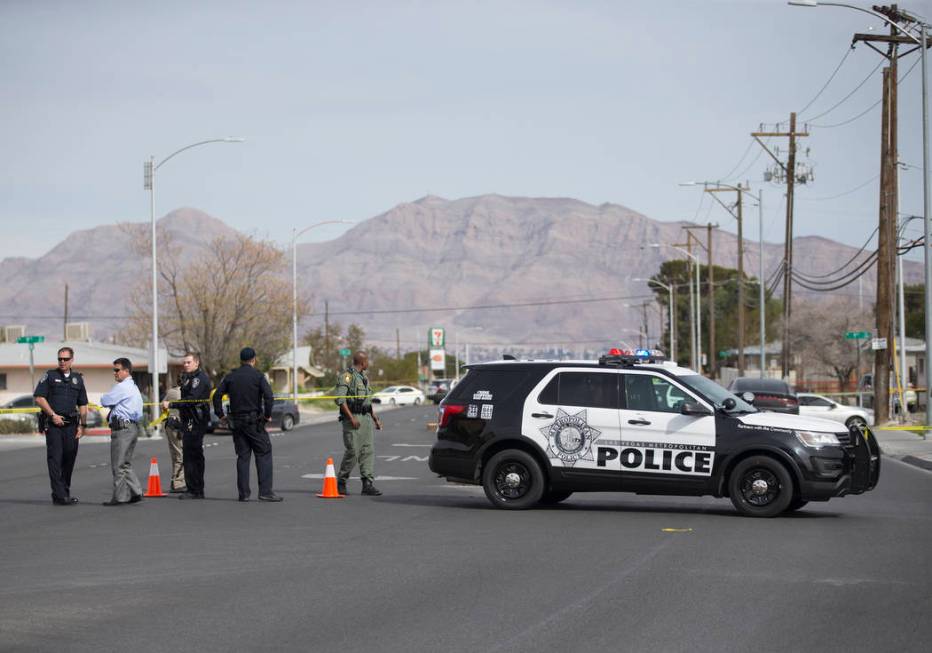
x=737 y=212
x=789 y=172
x=64 y=329
x=711 y=290
x=886 y=239
x=397 y=343
x=327 y=353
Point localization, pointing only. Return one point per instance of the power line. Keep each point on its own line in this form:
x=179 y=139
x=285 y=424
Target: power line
x=848 y=51
x=868 y=109
x=856 y=89
x=847 y=192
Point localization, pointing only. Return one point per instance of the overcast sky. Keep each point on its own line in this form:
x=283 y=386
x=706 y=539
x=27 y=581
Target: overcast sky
x=350 y=108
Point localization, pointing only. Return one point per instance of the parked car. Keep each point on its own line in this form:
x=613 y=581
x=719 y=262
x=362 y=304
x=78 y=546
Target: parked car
x=819 y=406
x=25 y=421
x=401 y=395
x=439 y=388
x=774 y=395
x=285 y=415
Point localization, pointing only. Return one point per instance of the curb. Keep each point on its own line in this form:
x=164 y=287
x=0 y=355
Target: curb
x=916 y=462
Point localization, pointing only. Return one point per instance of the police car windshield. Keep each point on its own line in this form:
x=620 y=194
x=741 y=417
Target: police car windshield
x=716 y=393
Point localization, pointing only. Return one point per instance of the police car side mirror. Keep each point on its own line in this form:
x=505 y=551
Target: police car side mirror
x=695 y=409
x=748 y=397
x=729 y=403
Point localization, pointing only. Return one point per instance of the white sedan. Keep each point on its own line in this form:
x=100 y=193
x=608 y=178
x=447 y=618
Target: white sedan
x=399 y=395
x=818 y=406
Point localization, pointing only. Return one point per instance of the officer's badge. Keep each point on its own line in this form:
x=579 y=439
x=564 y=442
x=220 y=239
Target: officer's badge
x=570 y=438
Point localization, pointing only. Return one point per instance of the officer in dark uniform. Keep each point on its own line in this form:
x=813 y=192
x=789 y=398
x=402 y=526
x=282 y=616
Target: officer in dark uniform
x=194 y=417
x=62 y=399
x=250 y=410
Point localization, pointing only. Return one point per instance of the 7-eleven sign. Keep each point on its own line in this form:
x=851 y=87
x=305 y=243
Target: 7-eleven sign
x=437 y=337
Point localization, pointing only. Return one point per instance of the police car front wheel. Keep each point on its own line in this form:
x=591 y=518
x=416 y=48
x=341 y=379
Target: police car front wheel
x=760 y=486
x=513 y=480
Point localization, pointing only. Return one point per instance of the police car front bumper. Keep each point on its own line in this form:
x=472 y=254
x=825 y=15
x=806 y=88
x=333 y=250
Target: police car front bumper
x=852 y=468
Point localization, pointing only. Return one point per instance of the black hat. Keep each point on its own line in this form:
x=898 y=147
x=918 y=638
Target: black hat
x=247 y=354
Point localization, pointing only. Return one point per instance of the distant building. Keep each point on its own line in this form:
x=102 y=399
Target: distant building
x=93 y=359
x=280 y=373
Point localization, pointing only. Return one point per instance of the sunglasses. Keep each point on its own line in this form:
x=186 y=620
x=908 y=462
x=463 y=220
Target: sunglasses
x=60 y=359
x=117 y=369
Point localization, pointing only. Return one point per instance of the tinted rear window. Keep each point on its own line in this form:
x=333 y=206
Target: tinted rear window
x=761 y=385
x=478 y=384
x=589 y=389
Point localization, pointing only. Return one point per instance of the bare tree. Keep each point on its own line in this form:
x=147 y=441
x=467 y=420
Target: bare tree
x=818 y=336
x=232 y=294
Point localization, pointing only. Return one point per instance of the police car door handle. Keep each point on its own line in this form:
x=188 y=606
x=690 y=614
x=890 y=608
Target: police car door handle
x=639 y=422
x=542 y=415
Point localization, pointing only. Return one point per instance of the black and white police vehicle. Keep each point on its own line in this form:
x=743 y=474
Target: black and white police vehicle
x=534 y=432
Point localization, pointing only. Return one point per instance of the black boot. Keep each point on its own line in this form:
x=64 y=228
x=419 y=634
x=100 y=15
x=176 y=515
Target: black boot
x=341 y=486
x=369 y=489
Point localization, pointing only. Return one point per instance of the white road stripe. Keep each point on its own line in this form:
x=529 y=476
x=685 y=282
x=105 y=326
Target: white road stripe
x=356 y=478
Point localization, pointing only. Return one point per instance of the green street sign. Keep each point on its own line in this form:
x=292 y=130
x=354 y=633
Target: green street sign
x=29 y=340
x=858 y=335
x=345 y=352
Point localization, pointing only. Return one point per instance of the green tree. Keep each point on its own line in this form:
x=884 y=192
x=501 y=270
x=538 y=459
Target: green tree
x=725 y=300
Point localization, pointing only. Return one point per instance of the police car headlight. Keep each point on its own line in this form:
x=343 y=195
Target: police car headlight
x=816 y=439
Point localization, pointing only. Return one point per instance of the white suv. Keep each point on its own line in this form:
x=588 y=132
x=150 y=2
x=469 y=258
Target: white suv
x=815 y=405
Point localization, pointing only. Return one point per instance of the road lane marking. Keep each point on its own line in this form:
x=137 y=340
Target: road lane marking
x=677 y=530
x=377 y=478
x=406 y=459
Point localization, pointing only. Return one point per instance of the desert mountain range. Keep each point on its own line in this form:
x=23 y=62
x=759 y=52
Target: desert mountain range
x=432 y=253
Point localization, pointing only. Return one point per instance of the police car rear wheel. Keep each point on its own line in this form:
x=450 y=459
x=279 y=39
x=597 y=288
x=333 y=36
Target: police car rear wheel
x=760 y=486
x=796 y=504
x=513 y=480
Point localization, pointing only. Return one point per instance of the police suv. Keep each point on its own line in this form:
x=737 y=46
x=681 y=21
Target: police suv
x=534 y=432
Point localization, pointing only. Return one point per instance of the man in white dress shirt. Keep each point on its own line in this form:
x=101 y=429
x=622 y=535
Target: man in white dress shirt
x=125 y=404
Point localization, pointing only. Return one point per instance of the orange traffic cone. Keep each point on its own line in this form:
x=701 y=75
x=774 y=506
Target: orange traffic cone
x=330 y=483
x=155 y=481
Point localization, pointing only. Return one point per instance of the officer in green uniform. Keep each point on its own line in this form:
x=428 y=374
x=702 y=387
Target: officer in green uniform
x=355 y=404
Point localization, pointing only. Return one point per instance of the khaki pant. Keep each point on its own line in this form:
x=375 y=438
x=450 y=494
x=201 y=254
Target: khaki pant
x=177 y=458
x=122 y=443
x=358 y=447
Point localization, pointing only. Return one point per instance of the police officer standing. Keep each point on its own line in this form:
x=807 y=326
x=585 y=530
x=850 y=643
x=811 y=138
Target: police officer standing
x=250 y=409
x=355 y=402
x=62 y=399
x=194 y=415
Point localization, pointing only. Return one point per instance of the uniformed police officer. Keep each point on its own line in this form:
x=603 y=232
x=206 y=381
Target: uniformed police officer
x=357 y=417
x=62 y=398
x=194 y=415
x=250 y=409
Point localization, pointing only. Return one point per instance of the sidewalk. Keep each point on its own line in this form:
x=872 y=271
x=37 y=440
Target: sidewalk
x=908 y=446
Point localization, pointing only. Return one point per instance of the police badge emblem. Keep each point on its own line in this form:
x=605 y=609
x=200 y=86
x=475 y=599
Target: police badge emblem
x=570 y=438
x=74 y=380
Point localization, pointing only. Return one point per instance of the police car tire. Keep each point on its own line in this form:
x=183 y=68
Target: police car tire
x=552 y=498
x=774 y=501
x=287 y=422
x=513 y=466
x=796 y=504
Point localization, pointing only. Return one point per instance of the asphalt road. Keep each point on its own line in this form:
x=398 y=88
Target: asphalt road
x=431 y=566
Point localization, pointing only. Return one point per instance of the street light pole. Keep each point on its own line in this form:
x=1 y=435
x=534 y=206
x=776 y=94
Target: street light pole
x=695 y=315
x=671 y=315
x=922 y=42
x=149 y=170
x=294 y=300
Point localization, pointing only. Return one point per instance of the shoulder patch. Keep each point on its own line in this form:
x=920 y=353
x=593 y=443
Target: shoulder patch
x=45 y=377
x=347 y=377
x=196 y=382
x=74 y=380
